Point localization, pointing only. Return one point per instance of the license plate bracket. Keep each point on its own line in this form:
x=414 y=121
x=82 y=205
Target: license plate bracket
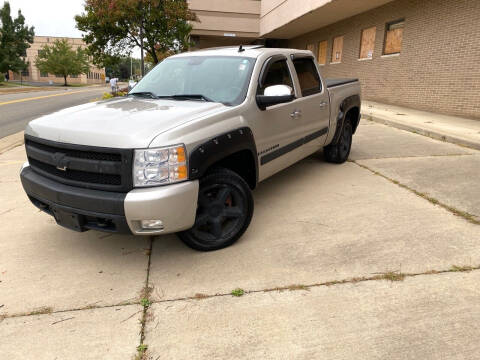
x=67 y=219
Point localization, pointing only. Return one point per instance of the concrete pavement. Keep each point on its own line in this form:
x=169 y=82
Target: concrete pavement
x=102 y=333
x=456 y=130
x=424 y=317
x=330 y=238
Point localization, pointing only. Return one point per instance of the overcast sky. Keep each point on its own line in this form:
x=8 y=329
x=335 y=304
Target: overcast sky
x=50 y=17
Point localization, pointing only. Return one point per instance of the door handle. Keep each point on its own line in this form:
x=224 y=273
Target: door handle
x=296 y=114
x=323 y=104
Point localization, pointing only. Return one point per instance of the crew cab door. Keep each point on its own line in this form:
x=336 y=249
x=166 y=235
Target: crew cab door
x=276 y=128
x=313 y=101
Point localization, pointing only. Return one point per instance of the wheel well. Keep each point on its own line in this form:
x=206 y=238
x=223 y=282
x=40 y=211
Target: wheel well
x=353 y=115
x=242 y=163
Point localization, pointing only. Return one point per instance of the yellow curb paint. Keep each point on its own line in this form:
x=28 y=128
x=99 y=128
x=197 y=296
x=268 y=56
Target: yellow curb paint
x=12 y=162
x=42 y=97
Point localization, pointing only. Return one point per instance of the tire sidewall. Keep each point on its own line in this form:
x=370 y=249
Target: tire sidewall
x=222 y=176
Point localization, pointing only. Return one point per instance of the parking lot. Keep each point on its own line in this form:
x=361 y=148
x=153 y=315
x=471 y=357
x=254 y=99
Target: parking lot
x=377 y=258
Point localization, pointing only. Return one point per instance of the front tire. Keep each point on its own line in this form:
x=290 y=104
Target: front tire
x=338 y=153
x=224 y=211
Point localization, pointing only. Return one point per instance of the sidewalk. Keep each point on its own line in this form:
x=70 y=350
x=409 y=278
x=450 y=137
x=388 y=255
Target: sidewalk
x=460 y=131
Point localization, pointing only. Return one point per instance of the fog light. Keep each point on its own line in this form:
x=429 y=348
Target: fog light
x=152 y=224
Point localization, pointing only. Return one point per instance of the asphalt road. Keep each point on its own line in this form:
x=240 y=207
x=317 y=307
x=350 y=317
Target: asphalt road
x=16 y=110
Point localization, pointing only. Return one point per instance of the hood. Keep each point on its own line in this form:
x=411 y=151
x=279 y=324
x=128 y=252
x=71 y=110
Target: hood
x=125 y=123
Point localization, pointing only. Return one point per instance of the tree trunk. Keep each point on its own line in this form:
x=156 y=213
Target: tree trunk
x=65 y=80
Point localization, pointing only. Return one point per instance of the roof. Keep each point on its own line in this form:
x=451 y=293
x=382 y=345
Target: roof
x=252 y=51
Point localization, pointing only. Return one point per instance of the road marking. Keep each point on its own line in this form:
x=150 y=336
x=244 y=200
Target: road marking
x=13 y=162
x=42 y=97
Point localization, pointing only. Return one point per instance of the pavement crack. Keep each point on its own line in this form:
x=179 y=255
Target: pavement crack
x=59 y=321
x=146 y=303
x=463 y=214
x=392 y=276
x=6 y=211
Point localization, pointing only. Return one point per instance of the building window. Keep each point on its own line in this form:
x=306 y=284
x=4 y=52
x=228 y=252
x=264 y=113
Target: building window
x=58 y=76
x=322 y=52
x=74 y=76
x=43 y=74
x=394 y=37
x=337 y=49
x=308 y=76
x=25 y=73
x=367 y=44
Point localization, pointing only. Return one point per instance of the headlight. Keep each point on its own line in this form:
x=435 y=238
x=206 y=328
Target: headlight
x=159 y=166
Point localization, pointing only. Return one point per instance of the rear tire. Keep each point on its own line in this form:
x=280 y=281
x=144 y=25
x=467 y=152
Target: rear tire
x=338 y=153
x=224 y=211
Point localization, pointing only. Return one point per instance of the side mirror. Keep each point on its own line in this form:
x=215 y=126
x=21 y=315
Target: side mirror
x=273 y=95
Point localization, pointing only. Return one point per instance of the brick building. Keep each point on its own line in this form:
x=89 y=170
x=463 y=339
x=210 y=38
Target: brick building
x=95 y=75
x=423 y=54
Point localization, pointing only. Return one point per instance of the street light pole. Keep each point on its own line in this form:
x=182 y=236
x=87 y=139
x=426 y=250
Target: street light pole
x=131 y=67
x=141 y=49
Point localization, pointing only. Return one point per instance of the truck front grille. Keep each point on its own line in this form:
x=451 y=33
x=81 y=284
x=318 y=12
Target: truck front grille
x=79 y=165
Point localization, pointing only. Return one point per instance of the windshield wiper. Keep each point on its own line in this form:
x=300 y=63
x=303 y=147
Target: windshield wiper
x=191 y=97
x=144 y=93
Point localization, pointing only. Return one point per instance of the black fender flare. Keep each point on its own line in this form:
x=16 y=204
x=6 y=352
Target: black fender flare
x=220 y=147
x=346 y=105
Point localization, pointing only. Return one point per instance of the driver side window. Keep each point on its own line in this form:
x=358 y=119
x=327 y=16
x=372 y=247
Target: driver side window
x=277 y=74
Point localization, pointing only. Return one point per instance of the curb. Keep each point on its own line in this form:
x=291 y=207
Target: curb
x=11 y=141
x=418 y=130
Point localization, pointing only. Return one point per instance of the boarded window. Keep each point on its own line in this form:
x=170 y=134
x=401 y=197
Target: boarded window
x=394 y=37
x=322 y=52
x=337 y=49
x=367 y=44
x=311 y=47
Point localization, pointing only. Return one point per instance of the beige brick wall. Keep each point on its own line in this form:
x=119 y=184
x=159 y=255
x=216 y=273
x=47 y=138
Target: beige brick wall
x=438 y=69
x=97 y=74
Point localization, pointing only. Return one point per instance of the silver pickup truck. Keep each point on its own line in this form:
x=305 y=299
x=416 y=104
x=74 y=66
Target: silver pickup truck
x=184 y=150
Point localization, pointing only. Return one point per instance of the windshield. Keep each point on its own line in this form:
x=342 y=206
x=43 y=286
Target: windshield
x=223 y=79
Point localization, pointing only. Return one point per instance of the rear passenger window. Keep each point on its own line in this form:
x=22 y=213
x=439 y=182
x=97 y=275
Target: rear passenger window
x=277 y=74
x=308 y=76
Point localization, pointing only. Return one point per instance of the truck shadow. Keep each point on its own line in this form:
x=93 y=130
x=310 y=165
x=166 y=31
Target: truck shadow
x=267 y=195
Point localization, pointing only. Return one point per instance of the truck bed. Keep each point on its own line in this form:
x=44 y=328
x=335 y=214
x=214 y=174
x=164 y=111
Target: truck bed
x=337 y=82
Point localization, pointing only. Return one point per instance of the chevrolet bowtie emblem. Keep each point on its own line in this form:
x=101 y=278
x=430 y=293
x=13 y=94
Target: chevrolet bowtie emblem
x=61 y=162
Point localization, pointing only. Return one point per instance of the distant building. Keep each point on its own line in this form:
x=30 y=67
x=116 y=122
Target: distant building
x=94 y=76
x=423 y=54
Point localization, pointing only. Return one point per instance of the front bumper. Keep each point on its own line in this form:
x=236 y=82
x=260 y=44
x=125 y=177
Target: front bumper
x=82 y=209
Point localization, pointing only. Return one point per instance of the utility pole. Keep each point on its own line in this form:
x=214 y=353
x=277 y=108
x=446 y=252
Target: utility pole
x=131 y=67
x=141 y=49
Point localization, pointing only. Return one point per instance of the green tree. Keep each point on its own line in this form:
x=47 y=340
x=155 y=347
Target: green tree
x=115 y=27
x=121 y=67
x=61 y=59
x=15 y=39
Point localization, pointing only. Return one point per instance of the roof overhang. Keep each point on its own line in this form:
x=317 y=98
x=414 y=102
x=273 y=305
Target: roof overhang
x=293 y=18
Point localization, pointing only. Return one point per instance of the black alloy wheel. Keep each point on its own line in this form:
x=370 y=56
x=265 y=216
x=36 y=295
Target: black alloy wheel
x=224 y=211
x=338 y=153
